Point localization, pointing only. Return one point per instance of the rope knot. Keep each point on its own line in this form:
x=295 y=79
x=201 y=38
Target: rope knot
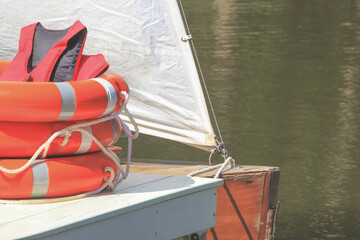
x=111 y=185
x=66 y=135
x=221 y=150
x=110 y=179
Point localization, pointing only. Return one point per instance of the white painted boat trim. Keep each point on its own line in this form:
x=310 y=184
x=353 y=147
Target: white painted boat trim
x=145 y=206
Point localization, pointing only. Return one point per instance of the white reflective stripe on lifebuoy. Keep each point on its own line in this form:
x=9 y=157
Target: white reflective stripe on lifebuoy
x=115 y=128
x=111 y=95
x=67 y=101
x=85 y=141
x=40 y=178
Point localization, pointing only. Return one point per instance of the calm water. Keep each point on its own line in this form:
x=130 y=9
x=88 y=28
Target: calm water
x=284 y=77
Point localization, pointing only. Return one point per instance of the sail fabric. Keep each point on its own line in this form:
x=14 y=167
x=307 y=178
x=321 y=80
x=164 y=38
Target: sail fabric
x=141 y=40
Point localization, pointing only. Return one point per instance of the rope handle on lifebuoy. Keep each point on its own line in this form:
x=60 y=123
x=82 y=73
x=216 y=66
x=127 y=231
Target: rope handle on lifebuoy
x=108 y=183
x=66 y=133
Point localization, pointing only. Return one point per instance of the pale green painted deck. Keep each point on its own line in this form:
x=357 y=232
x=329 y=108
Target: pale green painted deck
x=144 y=206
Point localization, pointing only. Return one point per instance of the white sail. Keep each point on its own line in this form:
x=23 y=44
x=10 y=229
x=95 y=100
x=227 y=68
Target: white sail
x=141 y=40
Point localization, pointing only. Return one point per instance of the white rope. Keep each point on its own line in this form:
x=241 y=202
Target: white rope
x=229 y=163
x=127 y=130
x=212 y=152
x=66 y=133
x=108 y=184
x=204 y=170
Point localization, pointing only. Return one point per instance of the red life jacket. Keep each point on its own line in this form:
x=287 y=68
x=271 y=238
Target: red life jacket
x=91 y=66
x=53 y=55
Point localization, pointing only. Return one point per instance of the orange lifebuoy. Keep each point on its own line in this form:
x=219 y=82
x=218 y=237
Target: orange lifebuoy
x=31 y=112
x=28 y=137
x=55 y=177
x=62 y=101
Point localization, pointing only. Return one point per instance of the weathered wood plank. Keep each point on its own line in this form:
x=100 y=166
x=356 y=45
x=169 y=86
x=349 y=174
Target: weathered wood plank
x=168 y=168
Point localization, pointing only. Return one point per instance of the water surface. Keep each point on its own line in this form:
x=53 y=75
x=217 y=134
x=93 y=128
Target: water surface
x=284 y=80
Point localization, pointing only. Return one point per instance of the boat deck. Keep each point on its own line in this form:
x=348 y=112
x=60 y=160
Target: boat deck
x=144 y=206
x=247 y=202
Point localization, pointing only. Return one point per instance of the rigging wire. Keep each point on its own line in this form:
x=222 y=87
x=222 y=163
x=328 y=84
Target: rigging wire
x=229 y=162
x=189 y=38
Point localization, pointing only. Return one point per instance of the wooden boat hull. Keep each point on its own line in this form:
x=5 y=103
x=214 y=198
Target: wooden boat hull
x=246 y=203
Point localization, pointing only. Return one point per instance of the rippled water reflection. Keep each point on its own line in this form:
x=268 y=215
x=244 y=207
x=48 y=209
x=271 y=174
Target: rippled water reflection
x=284 y=78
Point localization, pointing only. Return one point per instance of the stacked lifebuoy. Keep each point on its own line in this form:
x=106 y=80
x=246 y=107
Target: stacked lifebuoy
x=31 y=112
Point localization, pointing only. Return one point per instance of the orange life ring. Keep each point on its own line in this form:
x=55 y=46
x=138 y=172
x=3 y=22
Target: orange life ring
x=55 y=177
x=62 y=101
x=31 y=112
x=22 y=139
